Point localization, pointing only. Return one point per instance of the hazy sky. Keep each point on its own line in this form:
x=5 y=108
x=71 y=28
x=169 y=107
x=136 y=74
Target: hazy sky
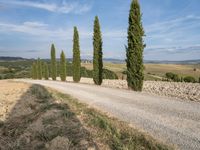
x=28 y=27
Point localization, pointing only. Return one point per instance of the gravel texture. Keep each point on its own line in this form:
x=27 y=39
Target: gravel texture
x=167 y=119
x=184 y=91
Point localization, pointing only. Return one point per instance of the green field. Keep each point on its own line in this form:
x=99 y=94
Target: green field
x=156 y=71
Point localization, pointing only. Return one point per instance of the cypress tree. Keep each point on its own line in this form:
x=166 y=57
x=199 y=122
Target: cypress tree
x=46 y=71
x=97 y=53
x=134 y=51
x=34 y=70
x=76 y=57
x=39 y=69
x=53 y=62
x=62 y=66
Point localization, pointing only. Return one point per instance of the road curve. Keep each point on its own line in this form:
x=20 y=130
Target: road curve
x=170 y=120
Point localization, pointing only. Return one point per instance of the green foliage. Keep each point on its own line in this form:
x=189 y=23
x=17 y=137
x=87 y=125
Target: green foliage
x=76 y=57
x=172 y=76
x=199 y=79
x=46 y=71
x=53 y=62
x=62 y=66
x=98 y=54
x=39 y=69
x=107 y=74
x=189 y=79
x=34 y=71
x=134 y=50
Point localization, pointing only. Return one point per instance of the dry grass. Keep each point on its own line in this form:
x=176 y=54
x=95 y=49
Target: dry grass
x=41 y=118
x=2 y=69
x=182 y=70
x=155 y=71
x=114 y=134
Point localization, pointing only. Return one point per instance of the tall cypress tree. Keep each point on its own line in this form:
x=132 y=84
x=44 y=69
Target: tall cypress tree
x=97 y=54
x=134 y=51
x=62 y=66
x=39 y=69
x=53 y=62
x=46 y=71
x=76 y=57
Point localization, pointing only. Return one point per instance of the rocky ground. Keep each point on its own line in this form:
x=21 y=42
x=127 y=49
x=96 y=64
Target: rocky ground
x=184 y=91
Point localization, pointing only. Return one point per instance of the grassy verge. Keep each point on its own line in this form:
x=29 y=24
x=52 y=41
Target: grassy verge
x=110 y=131
x=45 y=119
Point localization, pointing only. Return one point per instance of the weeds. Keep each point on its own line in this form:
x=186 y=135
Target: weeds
x=40 y=92
x=118 y=135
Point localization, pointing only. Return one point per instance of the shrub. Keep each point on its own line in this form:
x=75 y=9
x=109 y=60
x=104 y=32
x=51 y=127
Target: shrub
x=174 y=77
x=107 y=74
x=189 y=79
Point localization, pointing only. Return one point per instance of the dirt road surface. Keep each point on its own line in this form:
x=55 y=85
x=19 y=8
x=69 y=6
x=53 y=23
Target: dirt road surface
x=170 y=120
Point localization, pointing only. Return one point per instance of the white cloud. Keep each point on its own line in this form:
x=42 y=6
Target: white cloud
x=64 y=7
x=34 y=24
x=42 y=30
x=171 y=27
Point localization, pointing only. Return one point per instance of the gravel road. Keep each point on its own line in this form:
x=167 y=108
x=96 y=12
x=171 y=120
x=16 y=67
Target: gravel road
x=170 y=120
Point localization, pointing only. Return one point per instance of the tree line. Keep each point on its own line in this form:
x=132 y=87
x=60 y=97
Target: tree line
x=134 y=54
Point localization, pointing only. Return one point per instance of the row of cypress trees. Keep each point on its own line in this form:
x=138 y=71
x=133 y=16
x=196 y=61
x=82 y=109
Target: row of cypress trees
x=40 y=70
x=63 y=68
x=76 y=63
x=134 y=53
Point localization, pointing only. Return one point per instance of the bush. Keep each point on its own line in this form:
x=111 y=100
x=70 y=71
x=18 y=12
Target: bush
x=189 y=79
x=174 y=77
x=9 y=76
x=107 y=74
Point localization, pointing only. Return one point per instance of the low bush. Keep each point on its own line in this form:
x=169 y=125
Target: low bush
x=172 y=76
x=189 y=79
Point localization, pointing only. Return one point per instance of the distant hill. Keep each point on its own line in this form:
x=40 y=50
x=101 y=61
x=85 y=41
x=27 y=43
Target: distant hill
x=111 y=60
x=3 y=58
x=173 y=62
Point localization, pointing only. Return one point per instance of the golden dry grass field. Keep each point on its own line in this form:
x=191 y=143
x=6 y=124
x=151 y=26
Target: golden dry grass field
x=153 y=71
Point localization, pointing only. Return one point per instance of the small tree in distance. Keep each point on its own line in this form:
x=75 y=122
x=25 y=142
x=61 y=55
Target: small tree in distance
x=39 y=69
x=46 y=71
x=53 y=63
x=62 y=66
x=34 y=71
x=76 y=57
x=97 y=53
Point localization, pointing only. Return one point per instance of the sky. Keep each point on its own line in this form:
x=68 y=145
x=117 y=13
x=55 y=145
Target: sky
x=29 y=27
